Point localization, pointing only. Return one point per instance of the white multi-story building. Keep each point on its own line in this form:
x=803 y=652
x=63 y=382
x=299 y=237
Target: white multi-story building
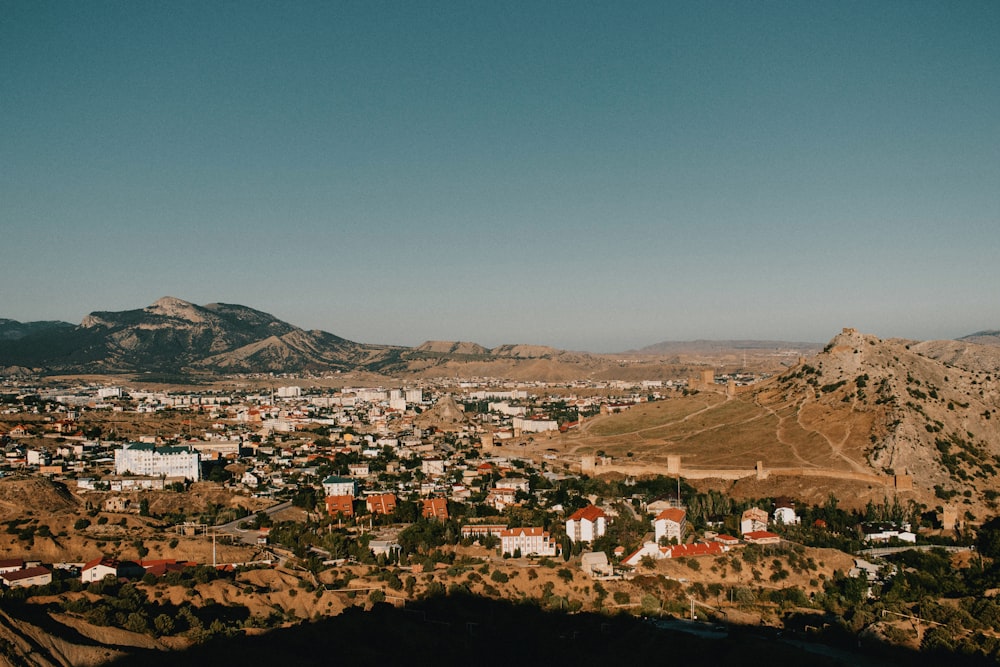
x=152 y=461
x=670 y=524
x=753 y=520
x=289 y=392
x=586 y=524
x=534 y=425
x=527 y=541
x=414 y=396
x=339 y=486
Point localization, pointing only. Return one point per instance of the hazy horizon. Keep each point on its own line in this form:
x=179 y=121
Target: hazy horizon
x=590 y=177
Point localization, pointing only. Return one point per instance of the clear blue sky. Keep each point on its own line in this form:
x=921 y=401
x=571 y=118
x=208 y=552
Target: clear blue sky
x=591 y=176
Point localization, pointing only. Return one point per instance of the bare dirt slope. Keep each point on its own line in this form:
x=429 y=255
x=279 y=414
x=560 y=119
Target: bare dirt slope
x=863 y=406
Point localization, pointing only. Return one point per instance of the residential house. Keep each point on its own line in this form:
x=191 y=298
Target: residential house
x=11 y=565
x=727 y=540
x=527 y=541
x=381 y=503
x=883 y=532
x=500 y=498
x=753 y=520
x=99 y=568
x=435 y=508
x=116 y=504
x=784 y=513
x=586 y=524
x=514 y=483
x=658 y=506
x=670 y=524
x=29 y=576
x=162 y=567
x=340 y=505
x=433 y=467
x=358 y=469
x=761 y=537
x=339 y=486
x=480 y=529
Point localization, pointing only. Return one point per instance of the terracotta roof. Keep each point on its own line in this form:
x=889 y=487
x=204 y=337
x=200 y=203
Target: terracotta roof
x=340 y=505
x=103 y=560
x=529 y=531
x=383 y=503
x=26 y=573
x=435 y=508
x=760 y=535
x=697 y=549
x=672 y=514
x=590 y=513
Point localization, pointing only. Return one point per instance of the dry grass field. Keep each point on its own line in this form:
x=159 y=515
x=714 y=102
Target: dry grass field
x=710 y=431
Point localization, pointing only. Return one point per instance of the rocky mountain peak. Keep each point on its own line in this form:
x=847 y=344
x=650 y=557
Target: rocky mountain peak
x=170 y=306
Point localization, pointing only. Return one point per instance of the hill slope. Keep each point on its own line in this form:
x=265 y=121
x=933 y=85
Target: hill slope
x=861 y=407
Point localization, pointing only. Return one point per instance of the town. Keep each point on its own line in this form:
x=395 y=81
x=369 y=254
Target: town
x=379 y=494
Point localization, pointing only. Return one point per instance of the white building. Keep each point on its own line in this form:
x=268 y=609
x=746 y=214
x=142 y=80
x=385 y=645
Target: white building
x=514 y=483
x=151 y=461
x=434 y=467
x=527 y=541
x=339 y=486
x=670 y=524
x=586 y=524
x=29 y=576
x=785 y=515
x=753 y=520
x=534 y=425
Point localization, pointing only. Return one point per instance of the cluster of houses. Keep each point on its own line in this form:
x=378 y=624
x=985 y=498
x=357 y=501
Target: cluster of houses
x=18 y=573
x=670 y=531
x=242 y=421
x=395 y=452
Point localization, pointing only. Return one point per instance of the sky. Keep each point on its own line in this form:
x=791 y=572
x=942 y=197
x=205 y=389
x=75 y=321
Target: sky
x=589 y=175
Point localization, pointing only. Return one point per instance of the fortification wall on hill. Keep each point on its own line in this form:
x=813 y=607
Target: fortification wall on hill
x=590 y=467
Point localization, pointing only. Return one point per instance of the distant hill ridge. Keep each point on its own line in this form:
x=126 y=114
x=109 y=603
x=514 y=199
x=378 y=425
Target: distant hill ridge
x=710 y=346
x=175 y=336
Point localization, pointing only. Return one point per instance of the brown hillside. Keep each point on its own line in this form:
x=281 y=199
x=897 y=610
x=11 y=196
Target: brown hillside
x=864 y=409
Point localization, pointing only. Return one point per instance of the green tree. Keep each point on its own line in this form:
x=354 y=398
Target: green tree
x=988 y=538
x=163 y=625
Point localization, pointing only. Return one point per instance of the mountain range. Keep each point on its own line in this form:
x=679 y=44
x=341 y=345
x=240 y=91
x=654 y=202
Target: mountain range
x=177 y=337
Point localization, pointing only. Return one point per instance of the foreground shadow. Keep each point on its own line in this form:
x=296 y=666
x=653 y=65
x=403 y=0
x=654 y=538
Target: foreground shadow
x=467 y=630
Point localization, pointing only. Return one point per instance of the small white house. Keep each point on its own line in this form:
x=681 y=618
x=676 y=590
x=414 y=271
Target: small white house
x=785 y=515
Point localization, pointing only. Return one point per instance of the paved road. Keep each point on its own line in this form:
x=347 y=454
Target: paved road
x=249 y=536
